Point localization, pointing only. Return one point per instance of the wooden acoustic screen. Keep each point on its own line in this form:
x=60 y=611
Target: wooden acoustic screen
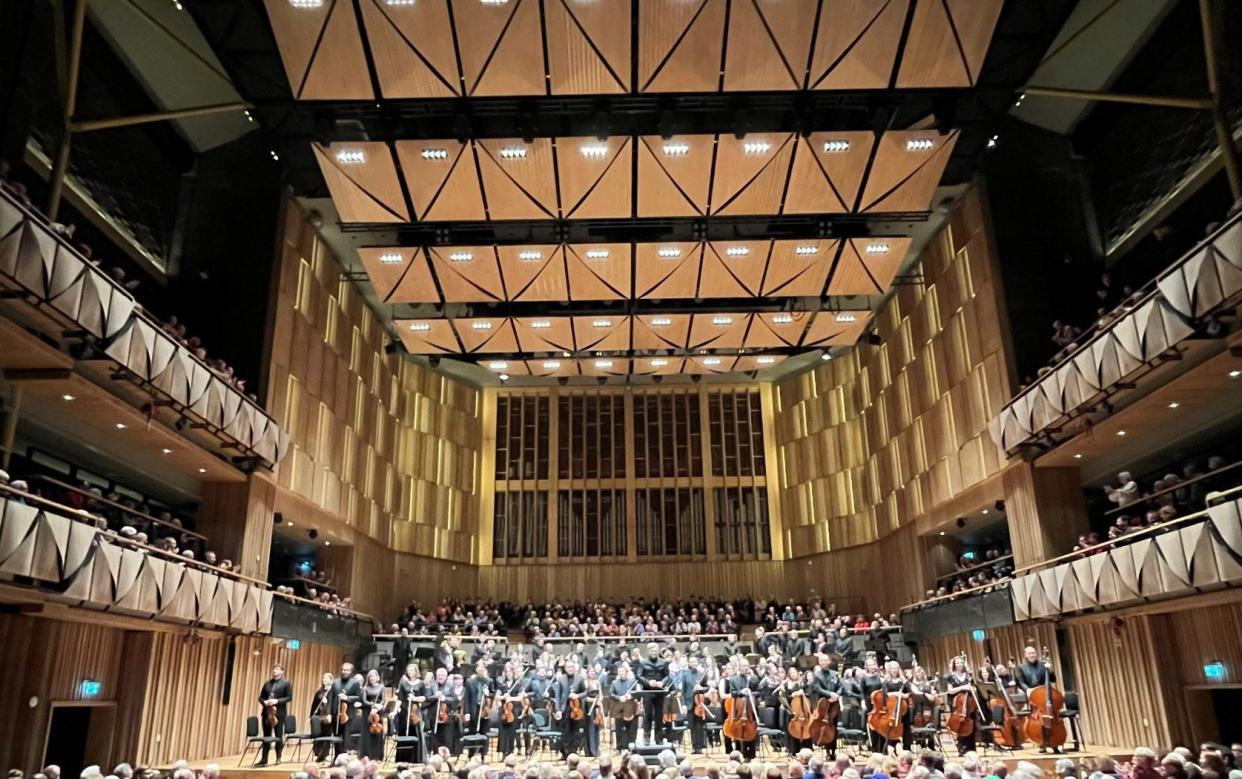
x=386 y=446
x=884 y=434
x=669 y=473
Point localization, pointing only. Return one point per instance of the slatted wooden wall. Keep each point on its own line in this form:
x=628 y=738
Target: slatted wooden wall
x=237 y=518
x=1000 y=646
x=880 y=576
x=389 y=446
x=882 y=435
x=758 y=578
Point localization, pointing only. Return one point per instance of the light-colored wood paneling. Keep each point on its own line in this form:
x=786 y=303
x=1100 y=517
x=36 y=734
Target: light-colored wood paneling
x=595 y=184
x=501 y=47
x=679 y=45
x=468 y=274
x=518 y=187
x=588 y=46
x=599 y=271
x=366 y=190
x=442 y=179
x=533 y=272
x=751 y=173
x=769 y=41
x=736 y=275
x=237 y=517
x=947 y=43
x=1045 y=509
x=412 y=46
x=902 y=178
x=427 y=336
x=399 y=274
x=586 y=581
x=674 y=184
x=322 y=50
x=857 y=42
x=827 y=171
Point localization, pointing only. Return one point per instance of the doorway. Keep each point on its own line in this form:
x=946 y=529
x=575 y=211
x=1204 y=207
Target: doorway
x=78 y=735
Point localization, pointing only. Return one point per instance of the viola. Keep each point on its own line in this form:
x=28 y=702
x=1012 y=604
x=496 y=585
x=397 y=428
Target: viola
x=824 y=721
x=575 y=709
x=888 y=712
x=375 y=724
x=1044 y=725
x=507 y=714
x=442 y=715
x=269 y=714
x=700 y=706
x=342 y=714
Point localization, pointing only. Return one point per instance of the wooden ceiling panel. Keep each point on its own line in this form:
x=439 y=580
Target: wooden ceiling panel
x=595 y=176
x=769 y=41
x=399 y=274
x=518 y=177
x=856 y=45
x=362 y=179
x=733 y=269
x=868 y=265
x=501 y=47
x=468 y=274
x=506 y=366
x=718 y=331
x=799 y=268
x=604 y=366
x=601 y=333
x=533 y=272
x=661 y=331
x=906 y=170
x=321 y=49
x=947 y=43
x=599 y=271
x=774 y=330
x=553 y=334
x=666 y=270
x=656 y=366
x=827 y=173
x=751 y=173
x=674 y=175
x=486 y=335
x=586 y=55
x=442 y=180
x=830 y=328
x=679 y=45
x=427 y=336
x=412 y=47
x=757 y=362
x=709 y=364
x=552 y=366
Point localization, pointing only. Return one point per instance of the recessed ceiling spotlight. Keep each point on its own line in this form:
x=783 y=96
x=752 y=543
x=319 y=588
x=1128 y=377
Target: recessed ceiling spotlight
x=399 y=2
x=765 y=360
x=120 y=425
x=390 y=258
x=877 y=248
x=803 y=251
x=722 y=320
x=782 y=319
x=603 y=363
x=661 y=321
x=826 y=356
x=1121 y=433
x=530 y=256
x=461 y=257
x=540 y=324
x=594 y=151
x=601 y=323
x=504 y=377
x=676 y=149
x=494 y=2
x=737 y=251
x=1235 y=374
x=513 y=152
x=166 y=450
x=67 y=397
x=351 y=157
x=669 y=252
x=919 y=144
x=498 y=365
x=659 y=363
x=1174 y=404
x=756 y=147
x=846 y=318
x=597 y=254
x=435 y=154
x=305 y=3
x=275 y=156
x=711 y=360
x=289 y=523
x=551 y=365
x=420 y=327
x=992 y=141
x=202 y=470
x=836 y=147
x=985 y=511
x=565 y=354
x=1078 y=456
x=481 y=325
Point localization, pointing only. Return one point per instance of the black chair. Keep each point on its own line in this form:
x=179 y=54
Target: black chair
x=544 y=733
x=293 y=736
x=318 y=737
x=474 y=742
x=1070 y=714
x=253 y=737
x=929 y=732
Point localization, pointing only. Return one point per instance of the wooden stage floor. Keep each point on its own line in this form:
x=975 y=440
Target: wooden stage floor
x=230 y=769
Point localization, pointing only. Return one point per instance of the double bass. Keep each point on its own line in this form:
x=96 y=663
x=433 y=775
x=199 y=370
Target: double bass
x=740 y=724
x=1044 y=725
x=1012 y=724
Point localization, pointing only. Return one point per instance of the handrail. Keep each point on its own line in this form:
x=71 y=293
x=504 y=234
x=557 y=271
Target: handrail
x=312 y=582
x=337 y=610
x=1174 y=488
x=955 y=595
x=434 y=636
x=978 y=566
x=644 y=639
x=135 y=512
x=851 y=629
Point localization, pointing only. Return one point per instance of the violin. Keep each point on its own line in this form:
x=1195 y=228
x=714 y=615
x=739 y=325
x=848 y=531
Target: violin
x=888 y=713
x=799 y=716
x=575 y=709
x=740 y=724
x=415 y=718
x=269 y=714
x=442 y=715
x=507 y=714
x=1044 y=725
x=342 y=714
x=374 y=723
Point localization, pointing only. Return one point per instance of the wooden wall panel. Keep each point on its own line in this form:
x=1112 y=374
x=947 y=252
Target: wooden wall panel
x=238 y=519
x=585 y=581
x=1045 y=509
x=1000 y=646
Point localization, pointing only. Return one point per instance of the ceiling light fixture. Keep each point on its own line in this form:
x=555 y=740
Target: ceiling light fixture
x=67 y=397
x=498 y=365
x=737 y=251
x=658 y=363
x=601 y=323
x=722 y=320
x=677 y=149
x=782 y=319
x=846 y=318
x=825 y=356
x=461 y=257
x=540 y=324
x=305 y=3
x=351 y=157
x=919 y=144
x=513 y=152
x=420 y=327
x=765 y=360
x=530 y=256
x=1174 y=404
x=565 y=354
x=504 y=377
x=1121 y=433
x=711 y=360
x=597 y=254
x=877 y=248
x=551 y=365
x=756 y=147
x=603 y=363
x=435 y=154
x=166 y=450
x=669 y=252
x=275 y=156
x=202 y=470
x=481 y=325
x=399 y=2
x=1078 y=456
x=836 y=147
x=494 y=2
x=390 y=258
x=803 y=251
x=1235 y=374
x=594 y=151
x=120 y=425
x=661 y=321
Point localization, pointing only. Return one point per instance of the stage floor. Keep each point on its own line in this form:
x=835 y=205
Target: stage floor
x=715 y=758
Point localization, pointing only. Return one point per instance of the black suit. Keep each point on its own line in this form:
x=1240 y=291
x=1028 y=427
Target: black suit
x=478 y=691
x=647 y=671
x=571 y=729
x=282 y=692
x=348 y=691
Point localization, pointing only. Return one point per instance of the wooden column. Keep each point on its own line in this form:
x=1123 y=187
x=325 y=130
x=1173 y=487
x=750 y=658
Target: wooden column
x=486 y=479
x=771 y=470
x=1045 y=509
x=237 y=519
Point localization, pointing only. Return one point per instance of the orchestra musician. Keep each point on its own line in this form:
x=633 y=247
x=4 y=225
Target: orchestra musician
x=697 y=684
x=651 y=673
x=477 y=704
x=274 y=701
x=568 y=706
x=370 y=742
x=411 y=695
x=791 y=687
x=442 y=719
x=958 y=679
x=893 y=681
x=322 y=712
x=346 y=692
x=1032 y=671
x=593 y=703
x=825 y=683
x=512 y=691
x=739 y=687
x=621 y=690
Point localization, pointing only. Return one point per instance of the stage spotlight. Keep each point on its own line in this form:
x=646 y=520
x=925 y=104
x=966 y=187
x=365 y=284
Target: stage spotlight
x=312 y=534
x=960 y=522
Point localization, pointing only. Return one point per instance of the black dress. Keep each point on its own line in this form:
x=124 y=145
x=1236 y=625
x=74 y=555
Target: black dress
x=372 y=744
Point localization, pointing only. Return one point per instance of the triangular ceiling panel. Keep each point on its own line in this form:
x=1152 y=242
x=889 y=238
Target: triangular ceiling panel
x=427 y=336
x=442 y=180
x=518 y=178
x=830 y=328
x=674 y=175
x=947 y=42
x=486 y=335
x=363 y=181
x=857 y=43
x=906 y=171
x=595 y=176
x=412 y=47
x=780 y=329
x=321 y=49
x=679 y=45
x=751 y=173
x=501 y=47
x=799 y=268
x=533 y=272
x=718 y=331
x=733 y=269
x=599 y=271
x=768 y=44
x=545 y=334
x=867 y=266
x=586 y=55
x=602 y=333
x=661 y=331
x=666 y=270
x=827 y=172
x=399 y=274
x=467 y=274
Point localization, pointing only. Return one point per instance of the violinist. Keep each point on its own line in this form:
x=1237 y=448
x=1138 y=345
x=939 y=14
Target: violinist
x=538 y=689
x=274 y=699
x=700 y=706
x=958 y=680
x=651 y=673
x=893 y=681
x=321 y=712
x=411 y=695
x=441 y=721
x=477 y=703
x=567 y=698
x=371 y=740
x=674 y=683
x=346 y=692
x=593 y=704
x=824 y=683
x=624 y=723
x=512 y=691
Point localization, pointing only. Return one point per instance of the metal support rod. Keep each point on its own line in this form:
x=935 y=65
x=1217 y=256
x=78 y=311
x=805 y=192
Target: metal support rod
x=61 y=167
x=1224 y=133
x=159 y=116
x=1168 y=101
x=9 y=434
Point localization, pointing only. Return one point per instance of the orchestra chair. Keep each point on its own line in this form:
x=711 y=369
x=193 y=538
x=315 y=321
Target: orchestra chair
x=397 y=741
x=713 y=732
x=544 y=733
x=929 y=733
x=1070 y=714
x=770 y=732
x=253 y=738
x=318 y=737
x=292 y=736
x=473 y=742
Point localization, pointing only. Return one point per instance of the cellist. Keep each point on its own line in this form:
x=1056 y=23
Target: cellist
x=894 y=681
x=824 y=683
x=793 y=687
x=959 y=680
x=740 y=688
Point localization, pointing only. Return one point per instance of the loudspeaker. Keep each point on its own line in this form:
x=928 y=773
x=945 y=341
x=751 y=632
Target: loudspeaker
x=278 y=519
x=650 y=753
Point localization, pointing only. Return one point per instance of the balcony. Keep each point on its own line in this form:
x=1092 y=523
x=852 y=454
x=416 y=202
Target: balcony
x=53 y=291
x=989 y=606
x=1148 y=344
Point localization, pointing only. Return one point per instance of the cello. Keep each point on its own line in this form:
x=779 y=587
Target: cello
x=800 y=714
x=740 y=724
x=824 y=721
x=889 y=709
x=1044 y=725
x=963 y=706
x=1012 y=724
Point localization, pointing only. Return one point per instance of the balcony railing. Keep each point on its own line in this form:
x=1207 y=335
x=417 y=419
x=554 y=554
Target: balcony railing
x=1200 y=551
x=39 y=265
x=1172 y=307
